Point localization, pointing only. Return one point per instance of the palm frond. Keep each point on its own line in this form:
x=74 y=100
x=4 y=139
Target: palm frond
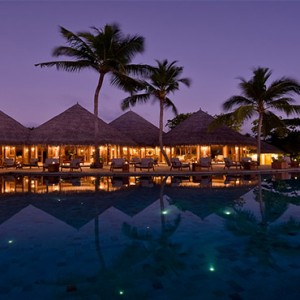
x=284 y=105
x=133 y=100
x=69 y=66
x=236 y=101
x=169 y=104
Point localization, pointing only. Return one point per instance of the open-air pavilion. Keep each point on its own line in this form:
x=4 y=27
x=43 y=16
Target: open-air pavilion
x=141 y=131
x=72 y=134
x=14 y=138
x=193 y=139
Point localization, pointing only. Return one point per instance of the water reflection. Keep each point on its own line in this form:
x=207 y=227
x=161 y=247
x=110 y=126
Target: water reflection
x=150 y=238
x=50 y=184
x=268 y=232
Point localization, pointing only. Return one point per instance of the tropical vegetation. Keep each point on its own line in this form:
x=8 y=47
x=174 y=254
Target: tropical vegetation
x=104 y=50
x=161 y=80
x=261 y=100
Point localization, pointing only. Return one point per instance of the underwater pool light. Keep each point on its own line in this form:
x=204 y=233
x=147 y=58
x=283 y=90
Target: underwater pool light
x=211 y=268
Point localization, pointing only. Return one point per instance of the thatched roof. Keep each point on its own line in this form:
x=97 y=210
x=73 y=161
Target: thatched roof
x=137 y=128
x=194 y=131
x=76 y=126
x=268 y=148
x=11 y=131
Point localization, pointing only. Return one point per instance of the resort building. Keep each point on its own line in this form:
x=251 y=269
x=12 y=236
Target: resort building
x=72 y=134
x=193 y=139
x=14 y=139
x=142 y=132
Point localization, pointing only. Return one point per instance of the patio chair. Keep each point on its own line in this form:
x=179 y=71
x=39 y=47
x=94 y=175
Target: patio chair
x=33 y=162
x=49 y=162
x=134 y=161
x=177 y=164
x=9 y=163
x=248 y=164
x=229 y=163
x=146 y=163
x=73 y=165
x=117 y=163
x=205 y=162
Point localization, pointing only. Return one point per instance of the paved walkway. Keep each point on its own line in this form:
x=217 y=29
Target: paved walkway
x=161 y=170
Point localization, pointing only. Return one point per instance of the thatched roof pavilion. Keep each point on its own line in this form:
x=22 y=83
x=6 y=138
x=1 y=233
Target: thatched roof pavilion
x=11 y=131
x=137 y=128
x=194 y=131
x=268 y=148
x=76 y=126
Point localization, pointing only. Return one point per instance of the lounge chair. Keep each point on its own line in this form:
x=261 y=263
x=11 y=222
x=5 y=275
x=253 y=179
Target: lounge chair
x=33 y=162
x=248 y=164
x=73 y=165
x=177 y=164
x=134 y=161
x=205 y=162
x=146 y=163
x=229 y=163
x=9 y=163
x=51 y=162
x=117 y=163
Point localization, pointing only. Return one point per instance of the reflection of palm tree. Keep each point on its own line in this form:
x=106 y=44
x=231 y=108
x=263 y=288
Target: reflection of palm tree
x=159 y=254
x=264 y=238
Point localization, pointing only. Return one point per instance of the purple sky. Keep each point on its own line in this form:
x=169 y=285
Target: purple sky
x=215 y=42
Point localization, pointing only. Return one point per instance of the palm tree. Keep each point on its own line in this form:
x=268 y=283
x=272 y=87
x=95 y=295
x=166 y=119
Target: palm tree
x=105 y=50
x=163 y=79
x=259 y=99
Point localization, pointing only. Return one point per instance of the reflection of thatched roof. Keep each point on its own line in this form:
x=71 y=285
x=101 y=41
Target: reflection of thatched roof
x=76 y=126
x=11 y=205
x=11 y=131
x=135 y=199
x=137 y=128
x=75 y=210
x=194 y=131
x=205 y=201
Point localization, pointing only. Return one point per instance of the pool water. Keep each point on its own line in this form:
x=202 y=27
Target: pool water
x=155 y=241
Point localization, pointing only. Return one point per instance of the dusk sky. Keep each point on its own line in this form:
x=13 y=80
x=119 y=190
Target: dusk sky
x=215 y=42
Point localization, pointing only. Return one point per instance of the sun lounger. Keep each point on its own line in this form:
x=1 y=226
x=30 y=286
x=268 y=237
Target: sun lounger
x=73 y=165
x=32 y=163
x=248 y=164
x=146 y=163
x=177 y=164
x=9 y=163
x=53 y=163
x=117 y=163
x=229 y=163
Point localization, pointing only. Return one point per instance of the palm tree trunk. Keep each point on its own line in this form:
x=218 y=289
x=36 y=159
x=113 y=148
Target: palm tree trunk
x=161 y=145
x=260 y=120
x=97 y=163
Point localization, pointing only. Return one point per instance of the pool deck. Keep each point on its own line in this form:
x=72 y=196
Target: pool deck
x=161 y=170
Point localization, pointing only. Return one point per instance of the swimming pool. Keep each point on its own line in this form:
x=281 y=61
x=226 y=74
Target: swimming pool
x=150 y=238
